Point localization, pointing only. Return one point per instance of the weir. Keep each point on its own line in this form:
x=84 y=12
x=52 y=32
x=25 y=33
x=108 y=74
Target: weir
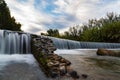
x=18 y=43
x=70 y=44
x=15 y=60
x=14 y=42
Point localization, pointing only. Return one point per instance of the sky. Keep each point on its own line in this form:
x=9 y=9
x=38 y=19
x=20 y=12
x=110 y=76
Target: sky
x=38 y=16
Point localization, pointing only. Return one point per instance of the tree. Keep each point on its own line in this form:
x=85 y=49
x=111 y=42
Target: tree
x=54 y=33
x=103 y=30
x=6 y=21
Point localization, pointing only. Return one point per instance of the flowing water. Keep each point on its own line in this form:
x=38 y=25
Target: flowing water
x=20 y=67
x=16 y=62
x=14 y=42
x=70 y=44
x=85 y=61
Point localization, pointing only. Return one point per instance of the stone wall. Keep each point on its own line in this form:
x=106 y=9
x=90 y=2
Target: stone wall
x=40 y=48
x=52 y=64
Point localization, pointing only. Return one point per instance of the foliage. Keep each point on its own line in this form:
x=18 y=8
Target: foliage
x=73 y=33
x=51 y=32
x=105 y=29
x=6 y=21
x=102 y=30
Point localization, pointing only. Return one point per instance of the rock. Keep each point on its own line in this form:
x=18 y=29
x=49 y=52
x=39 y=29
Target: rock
x=54 y=74
x=62 y=70
x=58 y=58
x=50 y=64
x=63 y=60
x=103 y=52
x=56 y=64
x=69 y=69
x=62 y=64
x=68 y=63
x=53 y=64
x=84 y=76
x=74 y=74
x=56 y=69
x=62 y=67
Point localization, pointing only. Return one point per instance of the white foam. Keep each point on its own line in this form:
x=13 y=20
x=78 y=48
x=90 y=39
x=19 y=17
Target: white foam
x=78 y=51
x=73 y=51
x=22 y=58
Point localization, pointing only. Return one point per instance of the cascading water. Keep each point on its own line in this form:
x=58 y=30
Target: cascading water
x=70 y=44
x=14 y=60
x=14 y=42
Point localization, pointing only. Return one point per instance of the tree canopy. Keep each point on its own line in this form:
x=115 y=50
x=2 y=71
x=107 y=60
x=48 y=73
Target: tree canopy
x=6 y=21
x=52 y=32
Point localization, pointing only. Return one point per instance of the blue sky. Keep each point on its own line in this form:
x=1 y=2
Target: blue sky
x=37 y=16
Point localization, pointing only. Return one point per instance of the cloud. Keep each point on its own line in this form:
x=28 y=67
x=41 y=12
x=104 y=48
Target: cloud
x=40 y=15
x=28 y=16
x=86 y=9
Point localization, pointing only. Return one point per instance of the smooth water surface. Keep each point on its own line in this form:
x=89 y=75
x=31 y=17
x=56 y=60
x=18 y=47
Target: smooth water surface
x=85 y=61
x=20 y=67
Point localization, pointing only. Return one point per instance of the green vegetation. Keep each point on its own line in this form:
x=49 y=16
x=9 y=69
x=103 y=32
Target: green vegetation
x=42 y=60
x=6 y=21
x=51 y=32
x=102 y=30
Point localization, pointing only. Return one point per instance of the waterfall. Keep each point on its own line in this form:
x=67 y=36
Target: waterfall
x=14 y=42
x=70 y=44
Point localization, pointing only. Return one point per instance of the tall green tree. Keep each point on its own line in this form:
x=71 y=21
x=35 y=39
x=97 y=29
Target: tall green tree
x=6 y=21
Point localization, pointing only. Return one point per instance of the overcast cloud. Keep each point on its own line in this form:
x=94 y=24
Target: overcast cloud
x=40 y=15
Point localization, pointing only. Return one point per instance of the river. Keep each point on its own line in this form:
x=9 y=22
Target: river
x=85 y=61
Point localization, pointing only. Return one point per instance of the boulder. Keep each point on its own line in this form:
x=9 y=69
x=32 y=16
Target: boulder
x=63 y=60
x=53 y=74
x=74 y=74
x=105 y=52
x=84 y=76
x=62 y=70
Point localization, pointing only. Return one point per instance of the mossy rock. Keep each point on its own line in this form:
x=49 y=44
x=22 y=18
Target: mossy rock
x=105 y=52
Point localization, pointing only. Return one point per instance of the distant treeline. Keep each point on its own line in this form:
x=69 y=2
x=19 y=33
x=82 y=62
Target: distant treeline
x=105 y=29
x=6 y=21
